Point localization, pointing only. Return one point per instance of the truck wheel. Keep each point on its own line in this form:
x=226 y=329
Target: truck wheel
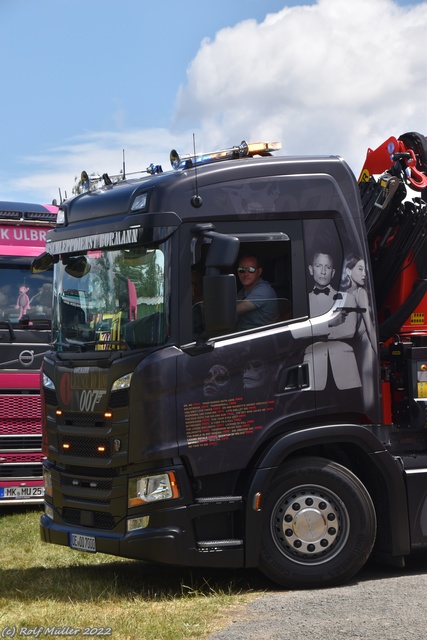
x=319 y=527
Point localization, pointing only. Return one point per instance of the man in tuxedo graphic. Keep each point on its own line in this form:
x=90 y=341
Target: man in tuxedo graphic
x=331 y=358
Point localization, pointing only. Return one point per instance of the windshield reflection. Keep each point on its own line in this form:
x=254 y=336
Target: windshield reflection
x=110 y=300
x=25 y=298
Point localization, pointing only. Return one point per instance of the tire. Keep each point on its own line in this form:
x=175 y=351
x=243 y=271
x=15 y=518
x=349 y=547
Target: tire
x=319 y=526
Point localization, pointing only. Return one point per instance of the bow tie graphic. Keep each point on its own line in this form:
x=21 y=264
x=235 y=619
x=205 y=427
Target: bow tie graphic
x=326 y=291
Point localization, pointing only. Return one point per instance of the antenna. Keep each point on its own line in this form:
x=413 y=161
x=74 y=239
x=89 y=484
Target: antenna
x=196 y=200
x=124 y=166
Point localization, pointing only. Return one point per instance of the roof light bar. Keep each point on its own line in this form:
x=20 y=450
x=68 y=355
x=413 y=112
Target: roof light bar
x=243 y=150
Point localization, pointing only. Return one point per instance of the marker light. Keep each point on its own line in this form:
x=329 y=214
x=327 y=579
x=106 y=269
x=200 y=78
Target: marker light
x=140 y=202
x=60 y=217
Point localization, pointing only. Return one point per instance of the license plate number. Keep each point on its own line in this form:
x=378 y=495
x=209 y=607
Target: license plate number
x=21 y=492
x=83 y=543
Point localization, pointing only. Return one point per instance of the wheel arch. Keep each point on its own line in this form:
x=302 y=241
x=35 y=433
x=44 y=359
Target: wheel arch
x=354 y=447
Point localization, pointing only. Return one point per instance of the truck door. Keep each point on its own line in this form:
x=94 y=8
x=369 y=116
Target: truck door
x=238 y=387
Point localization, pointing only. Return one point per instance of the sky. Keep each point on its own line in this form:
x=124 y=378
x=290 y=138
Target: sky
x=84 y=83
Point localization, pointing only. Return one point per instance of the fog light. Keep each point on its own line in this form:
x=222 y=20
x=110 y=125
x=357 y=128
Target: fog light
x=48 y=510
x=137 y=523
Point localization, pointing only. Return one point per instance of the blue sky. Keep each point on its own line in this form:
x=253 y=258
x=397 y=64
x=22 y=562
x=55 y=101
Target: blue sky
x=81 y=81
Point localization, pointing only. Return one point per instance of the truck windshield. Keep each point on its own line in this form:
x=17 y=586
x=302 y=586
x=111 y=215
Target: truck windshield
x=25 y=297
x=110 y=299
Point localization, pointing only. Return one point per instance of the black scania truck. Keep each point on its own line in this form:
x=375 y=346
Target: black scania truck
x=298 y=446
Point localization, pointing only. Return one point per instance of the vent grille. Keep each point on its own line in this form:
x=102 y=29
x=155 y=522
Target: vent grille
x=42 y=216
x=90 y=471
x=98 y=519
x=21 y=458
x=20 y=442
x=20 y=414
x=71 y=498
x=31 y=471
x=85 y=447
x=50 y=397
x=119 y=399
x=86 y=420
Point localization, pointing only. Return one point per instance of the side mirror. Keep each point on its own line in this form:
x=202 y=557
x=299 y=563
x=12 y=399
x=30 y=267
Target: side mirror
x=42 y=263
x=78 y=267
x=223 y=251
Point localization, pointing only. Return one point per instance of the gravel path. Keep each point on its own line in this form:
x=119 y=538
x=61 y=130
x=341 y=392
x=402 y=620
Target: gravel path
x=380 y=604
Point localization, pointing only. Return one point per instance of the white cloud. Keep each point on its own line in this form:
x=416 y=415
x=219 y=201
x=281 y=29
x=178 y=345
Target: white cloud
x=332 y=78
x=335 y=77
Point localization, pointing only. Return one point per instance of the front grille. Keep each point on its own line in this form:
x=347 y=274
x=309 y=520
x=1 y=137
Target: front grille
x=84 y=447
x=20 y=458
x=27 y=407
x=97 y=519
x=86 y=420
x=18 y=443
x=33 y=471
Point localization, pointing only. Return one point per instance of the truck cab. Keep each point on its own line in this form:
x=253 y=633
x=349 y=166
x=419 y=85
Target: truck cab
x=174 y=435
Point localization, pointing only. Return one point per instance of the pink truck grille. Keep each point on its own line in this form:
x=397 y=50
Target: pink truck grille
x=21 y=458
x=20 y=414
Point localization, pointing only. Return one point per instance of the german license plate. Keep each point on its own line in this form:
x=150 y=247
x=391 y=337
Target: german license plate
x=21 y=492
x=82 y=543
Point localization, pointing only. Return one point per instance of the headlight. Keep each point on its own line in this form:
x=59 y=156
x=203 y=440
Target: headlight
x=152 y=488
x=47 y=382
x=122 y=383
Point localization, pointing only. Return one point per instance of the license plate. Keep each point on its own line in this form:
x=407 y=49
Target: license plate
x=21 y=492
x=82 y=543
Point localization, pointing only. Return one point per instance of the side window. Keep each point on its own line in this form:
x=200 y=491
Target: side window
x=264 y=295
x=264 y=282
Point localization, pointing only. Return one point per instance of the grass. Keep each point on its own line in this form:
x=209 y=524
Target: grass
x=44 y=585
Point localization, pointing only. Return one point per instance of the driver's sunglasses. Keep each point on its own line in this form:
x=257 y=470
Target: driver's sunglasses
x=250 y=269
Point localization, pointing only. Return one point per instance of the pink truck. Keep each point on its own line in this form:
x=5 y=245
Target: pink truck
x=25 y=329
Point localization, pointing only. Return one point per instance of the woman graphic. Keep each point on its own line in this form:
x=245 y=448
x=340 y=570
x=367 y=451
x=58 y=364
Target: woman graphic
x=353 y=281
